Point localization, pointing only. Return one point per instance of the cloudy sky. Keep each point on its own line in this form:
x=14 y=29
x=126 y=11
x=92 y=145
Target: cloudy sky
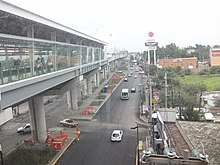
x=184 y=22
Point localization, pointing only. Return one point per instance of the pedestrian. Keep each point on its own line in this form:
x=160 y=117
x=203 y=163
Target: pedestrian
x=38 y=66
x=49 y=64
x=42 y=65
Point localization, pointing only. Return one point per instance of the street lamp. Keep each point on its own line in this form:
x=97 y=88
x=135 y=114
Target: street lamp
x=136 y=127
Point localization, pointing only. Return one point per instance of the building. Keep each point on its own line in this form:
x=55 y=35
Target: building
x=215 y=57
x=184 y=63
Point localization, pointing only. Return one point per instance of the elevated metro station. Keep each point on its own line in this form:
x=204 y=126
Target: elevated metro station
x=31 y=45
x=40 y=57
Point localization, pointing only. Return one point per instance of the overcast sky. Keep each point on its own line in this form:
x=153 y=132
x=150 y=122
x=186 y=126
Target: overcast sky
x=184 y=22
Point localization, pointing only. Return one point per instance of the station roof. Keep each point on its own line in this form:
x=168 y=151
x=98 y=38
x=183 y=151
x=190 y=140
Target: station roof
x=8 y=9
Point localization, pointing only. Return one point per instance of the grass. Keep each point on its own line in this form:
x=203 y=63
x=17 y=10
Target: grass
x=210 y=81
x=101 y=97
x=29 y=157
x=123 y=68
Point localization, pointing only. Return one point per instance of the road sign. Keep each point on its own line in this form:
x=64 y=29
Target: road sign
x=151 y=44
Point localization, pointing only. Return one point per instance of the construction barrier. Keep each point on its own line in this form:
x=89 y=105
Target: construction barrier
x=109 y=91
x=57 y=145
x=85 y=112
x=90 y=108
x=56 y=142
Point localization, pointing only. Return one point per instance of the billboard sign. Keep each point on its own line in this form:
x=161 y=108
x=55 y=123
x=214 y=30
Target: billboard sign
x=151 y=44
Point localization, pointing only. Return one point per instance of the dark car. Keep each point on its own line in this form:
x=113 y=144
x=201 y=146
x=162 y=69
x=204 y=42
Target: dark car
x=133 y=90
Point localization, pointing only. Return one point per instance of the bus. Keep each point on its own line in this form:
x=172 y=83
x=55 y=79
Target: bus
x=124 y=94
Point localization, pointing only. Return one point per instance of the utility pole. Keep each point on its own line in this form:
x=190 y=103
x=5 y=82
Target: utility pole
x=200 y=100
x=149 y=93
x=166 y=95
x=180 y=109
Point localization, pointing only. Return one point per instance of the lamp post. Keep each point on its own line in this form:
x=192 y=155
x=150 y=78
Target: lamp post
x=138 y=156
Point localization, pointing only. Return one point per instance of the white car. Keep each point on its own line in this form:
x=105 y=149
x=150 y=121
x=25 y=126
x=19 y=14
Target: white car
x=135 y=76
x=116 y=135
x=129 y=75
x=69 y=123
x=141 y=72
x=25 y=129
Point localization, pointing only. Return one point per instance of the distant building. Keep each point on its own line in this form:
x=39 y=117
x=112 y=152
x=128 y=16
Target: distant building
x=184 y=63
x=215 y=57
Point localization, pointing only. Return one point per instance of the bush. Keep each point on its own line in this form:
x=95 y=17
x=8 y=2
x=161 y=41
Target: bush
x=101 y=97
x=29 y=156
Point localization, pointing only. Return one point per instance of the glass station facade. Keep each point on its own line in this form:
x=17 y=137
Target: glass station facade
x=22 y=57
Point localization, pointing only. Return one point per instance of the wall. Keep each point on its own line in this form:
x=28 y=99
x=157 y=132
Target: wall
x=6 y=115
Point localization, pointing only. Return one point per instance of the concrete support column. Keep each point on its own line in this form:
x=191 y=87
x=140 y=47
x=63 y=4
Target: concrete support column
x=38 y=122
x=89 y=85
x=112 y=67
x=72 y=95
x=94 y=80
x=98 y=79
x=69 y=102
x=105 y=72
x=74 y=98
x=85 y=87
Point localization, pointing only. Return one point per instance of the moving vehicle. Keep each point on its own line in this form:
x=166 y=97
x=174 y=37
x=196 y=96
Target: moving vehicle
x=119 y=71
x=135 y=76
x=125 y=79
x=116 y=135
x=69 y=123
x=133 y=90
x=124 y=94
x=141 y=72
x=25 y=129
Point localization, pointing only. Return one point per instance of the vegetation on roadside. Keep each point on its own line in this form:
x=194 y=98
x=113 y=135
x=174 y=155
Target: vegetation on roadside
x=29 y=157
x=101 y=97
x=211 y=81
x=96 y=103
x=184 y=90
x=123 y=68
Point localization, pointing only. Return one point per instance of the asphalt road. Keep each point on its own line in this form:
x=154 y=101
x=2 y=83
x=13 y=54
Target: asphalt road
x=94 y=146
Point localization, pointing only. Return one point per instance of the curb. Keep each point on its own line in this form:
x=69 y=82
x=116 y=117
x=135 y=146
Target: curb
x=60 y=153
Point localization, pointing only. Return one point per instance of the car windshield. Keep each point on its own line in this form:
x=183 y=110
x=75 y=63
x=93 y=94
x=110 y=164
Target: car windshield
x=115 y=135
